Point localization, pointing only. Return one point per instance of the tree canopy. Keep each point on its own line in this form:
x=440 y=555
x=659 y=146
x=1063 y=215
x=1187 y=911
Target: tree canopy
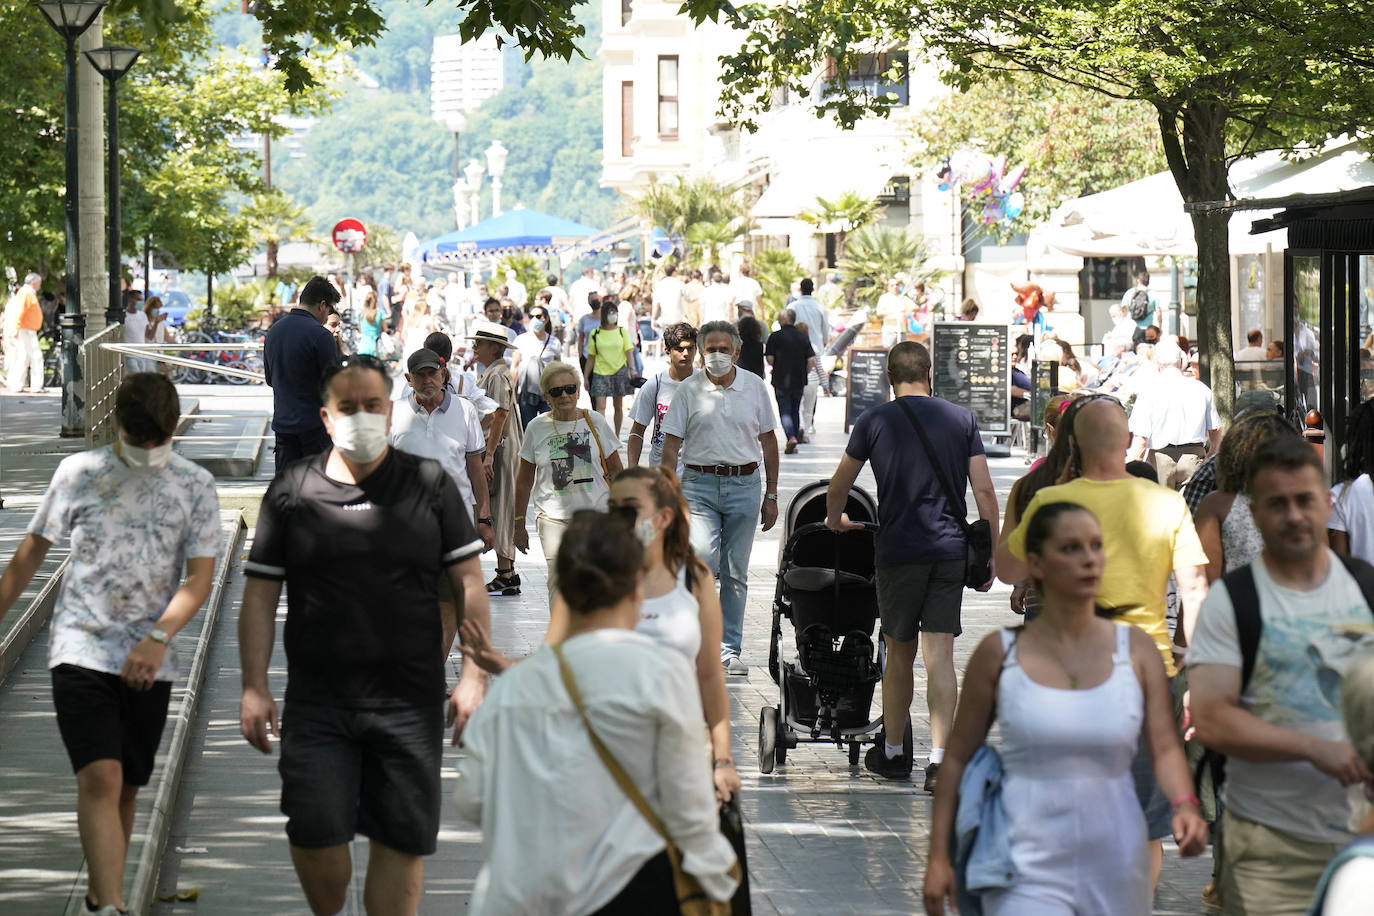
x=1225 y=78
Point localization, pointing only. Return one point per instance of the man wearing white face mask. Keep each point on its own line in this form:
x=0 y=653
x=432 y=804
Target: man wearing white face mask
x=362 y=533
x=722 y=422
x=134 y=513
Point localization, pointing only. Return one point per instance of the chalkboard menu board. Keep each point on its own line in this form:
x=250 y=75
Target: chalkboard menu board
x=1044 y=388
x=973 y=369
x=867 y=383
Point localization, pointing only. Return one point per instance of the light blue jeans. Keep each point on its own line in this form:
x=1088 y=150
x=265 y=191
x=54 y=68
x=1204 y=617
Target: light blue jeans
x=725 y=515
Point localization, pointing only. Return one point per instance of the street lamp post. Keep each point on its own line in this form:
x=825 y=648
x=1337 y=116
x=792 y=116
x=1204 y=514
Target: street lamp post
x=456 y=122
x=474 y=173
x=460 y=202
x=70 y=20
x=496 y=167
x=112 y=63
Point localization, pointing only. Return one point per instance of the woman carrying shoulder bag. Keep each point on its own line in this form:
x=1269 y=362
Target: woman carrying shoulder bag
x=640 y=834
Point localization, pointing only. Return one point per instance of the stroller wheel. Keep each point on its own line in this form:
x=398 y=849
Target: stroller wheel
x=768 y=738
x=854 y=748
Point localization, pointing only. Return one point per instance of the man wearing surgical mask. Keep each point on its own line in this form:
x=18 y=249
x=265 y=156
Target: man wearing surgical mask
x=722 y=422
x=361 y=533
x=135 y=513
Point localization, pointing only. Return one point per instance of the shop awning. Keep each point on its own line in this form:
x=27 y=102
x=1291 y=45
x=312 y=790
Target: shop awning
x=515 y=230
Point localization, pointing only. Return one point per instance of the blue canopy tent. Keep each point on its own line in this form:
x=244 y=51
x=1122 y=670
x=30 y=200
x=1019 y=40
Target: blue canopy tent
x=517 y=230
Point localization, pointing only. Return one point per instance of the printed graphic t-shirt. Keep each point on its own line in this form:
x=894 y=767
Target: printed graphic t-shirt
x=567 y=463
x=1307 y=640
x=650 y=407
x=131 y=533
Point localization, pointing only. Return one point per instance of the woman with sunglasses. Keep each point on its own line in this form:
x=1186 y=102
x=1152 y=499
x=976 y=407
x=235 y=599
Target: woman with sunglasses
x=535 y=350
x=567 y=460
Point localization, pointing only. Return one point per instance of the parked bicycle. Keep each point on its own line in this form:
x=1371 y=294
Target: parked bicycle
x=211 y=331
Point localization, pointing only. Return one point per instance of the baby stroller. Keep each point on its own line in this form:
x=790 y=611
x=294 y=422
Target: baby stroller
x=826 y=589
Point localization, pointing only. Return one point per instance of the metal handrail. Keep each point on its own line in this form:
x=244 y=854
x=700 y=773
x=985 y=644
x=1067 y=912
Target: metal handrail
x=153 y=351
x=103 y=372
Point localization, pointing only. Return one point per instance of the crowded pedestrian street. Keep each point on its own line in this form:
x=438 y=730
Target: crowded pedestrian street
x=822 y=836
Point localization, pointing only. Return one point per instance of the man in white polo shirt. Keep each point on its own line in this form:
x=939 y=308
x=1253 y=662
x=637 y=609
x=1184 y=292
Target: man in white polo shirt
x=1174 y=424
x=432 y=422
x=722 y=421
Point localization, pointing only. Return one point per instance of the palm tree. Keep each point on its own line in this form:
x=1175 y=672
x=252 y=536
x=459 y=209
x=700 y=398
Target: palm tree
x=775 y=269
x=878 y=254
x=848 y=212
x=684 y=207
x=712 y=237
x=275 y=218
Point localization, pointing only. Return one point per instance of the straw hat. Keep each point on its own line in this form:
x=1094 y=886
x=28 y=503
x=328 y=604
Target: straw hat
x=491 y=331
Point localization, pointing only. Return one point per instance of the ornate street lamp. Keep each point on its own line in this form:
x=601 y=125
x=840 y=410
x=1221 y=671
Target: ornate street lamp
x=70 y=20
x=456 y=122
x=460 y=202
x=496 y=167
x=474 y=173
x=112 y=63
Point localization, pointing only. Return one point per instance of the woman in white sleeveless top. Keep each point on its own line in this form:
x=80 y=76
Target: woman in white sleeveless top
x=681 y=608
x=1071 y=691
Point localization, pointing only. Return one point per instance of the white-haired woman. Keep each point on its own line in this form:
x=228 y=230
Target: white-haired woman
x=567 y=460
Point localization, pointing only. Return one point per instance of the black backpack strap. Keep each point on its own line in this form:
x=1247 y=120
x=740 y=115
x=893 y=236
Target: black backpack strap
x=1363 y=575
x=1240 y=585
x=957 y=507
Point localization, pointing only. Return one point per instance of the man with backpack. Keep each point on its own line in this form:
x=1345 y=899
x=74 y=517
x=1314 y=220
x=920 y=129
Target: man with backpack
x=1264 y=669
x=1141 y=307
x=656 y=396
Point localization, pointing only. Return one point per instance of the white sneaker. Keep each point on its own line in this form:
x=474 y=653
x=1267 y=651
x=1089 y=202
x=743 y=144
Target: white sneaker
x=734 y=667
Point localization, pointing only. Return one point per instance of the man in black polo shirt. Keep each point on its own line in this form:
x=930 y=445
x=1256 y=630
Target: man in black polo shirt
x=792 y=360
x=297 y=353
x=361 y=534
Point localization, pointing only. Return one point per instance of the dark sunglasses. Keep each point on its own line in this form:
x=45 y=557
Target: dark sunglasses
x=562 y=390
x=543 y=315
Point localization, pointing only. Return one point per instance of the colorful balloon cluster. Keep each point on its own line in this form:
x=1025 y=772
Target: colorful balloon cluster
x=986 y=181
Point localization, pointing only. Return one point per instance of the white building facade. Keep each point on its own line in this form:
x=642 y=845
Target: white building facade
x=464 y=75
x=661 y=81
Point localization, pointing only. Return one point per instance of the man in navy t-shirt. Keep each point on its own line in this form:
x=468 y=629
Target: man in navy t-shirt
x=296 y=354
x=921 y=550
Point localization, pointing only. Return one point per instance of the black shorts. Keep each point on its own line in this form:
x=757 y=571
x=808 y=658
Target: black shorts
x=368 y=771
x=924 y=597
x=102 y=718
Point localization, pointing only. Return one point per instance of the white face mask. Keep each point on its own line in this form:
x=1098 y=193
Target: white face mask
x=718 y=364
x=145 y=459
x=645 y=531
x=360 y=436
x=612 y=317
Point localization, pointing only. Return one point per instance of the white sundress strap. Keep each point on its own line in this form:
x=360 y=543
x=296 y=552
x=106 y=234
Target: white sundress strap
x=1008 y=648
x=1122 y=655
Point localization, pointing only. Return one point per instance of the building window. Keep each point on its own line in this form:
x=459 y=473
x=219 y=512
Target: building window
x=870 y=75
x=625 y=11
x=667 y=97
x=627 y=119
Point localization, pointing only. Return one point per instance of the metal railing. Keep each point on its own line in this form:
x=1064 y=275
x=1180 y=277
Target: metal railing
x=104 y=371
x=162 y=353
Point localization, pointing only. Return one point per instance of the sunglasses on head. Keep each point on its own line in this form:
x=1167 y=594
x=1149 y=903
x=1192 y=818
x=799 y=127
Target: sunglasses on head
x=562 y=390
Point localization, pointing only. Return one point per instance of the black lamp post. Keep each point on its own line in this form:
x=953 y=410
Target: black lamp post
x=71 y=20
x=112 y=63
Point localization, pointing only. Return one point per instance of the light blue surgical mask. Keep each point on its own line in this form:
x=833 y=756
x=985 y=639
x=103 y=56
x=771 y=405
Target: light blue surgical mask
x=537 y=324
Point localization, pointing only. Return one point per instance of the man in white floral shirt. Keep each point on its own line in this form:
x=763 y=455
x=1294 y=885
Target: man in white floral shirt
x=136 y=514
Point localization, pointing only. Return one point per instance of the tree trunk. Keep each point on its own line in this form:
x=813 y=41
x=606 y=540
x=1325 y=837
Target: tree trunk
x=1216 y=362
x=271 y=257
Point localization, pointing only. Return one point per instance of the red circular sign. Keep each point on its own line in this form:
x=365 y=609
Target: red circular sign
x=349 y=236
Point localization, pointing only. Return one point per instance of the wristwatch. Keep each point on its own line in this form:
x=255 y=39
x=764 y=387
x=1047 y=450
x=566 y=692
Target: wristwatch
x=772 y=496
x=485 y=520
x=159 y=635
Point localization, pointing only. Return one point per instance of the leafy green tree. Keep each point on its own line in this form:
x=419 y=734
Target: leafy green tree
x=709 y=240
x=1071 y=140
x=878 y=253
x=849 y=211
x=1225 y=79
x=528 y=270
x=776 y=269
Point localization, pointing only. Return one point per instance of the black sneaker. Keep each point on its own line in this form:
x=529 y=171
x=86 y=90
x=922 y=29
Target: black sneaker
x=877 y=762
x=504 y=586
x=932 y=770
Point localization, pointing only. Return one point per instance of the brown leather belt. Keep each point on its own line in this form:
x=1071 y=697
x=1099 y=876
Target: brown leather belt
x=726 y=470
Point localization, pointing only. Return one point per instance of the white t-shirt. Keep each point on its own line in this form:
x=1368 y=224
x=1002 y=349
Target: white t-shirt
x=891 y=308
x=715 y=303
x=720 y=425
x=567 y=463
x=534 y=352
x=1307 y=640
x=668 y=298
x=1351 y=889
x=564 y=838
x=131 y=533
x=1352 y=511
x=448 y=435
x=136 y=327
x=1249 y=353
x=650 y=407
x=746 y=289
x=1175 y=410
x=518 y=294
x=577 y=296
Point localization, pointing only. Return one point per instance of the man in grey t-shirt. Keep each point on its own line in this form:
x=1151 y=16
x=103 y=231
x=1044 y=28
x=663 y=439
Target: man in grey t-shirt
x=1291 y=769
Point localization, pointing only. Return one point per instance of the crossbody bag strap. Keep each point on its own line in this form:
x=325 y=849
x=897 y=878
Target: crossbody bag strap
x=601 y=453
x=954 y=504
x=618 y=773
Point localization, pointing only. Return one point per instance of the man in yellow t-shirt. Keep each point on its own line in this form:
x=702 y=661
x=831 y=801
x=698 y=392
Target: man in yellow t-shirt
x=1147 y=533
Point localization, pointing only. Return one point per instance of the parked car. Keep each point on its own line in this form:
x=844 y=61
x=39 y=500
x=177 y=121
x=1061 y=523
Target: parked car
x=175 y=304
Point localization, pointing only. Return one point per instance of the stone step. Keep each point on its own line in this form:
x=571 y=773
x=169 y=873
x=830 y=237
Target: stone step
x=225 y=445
